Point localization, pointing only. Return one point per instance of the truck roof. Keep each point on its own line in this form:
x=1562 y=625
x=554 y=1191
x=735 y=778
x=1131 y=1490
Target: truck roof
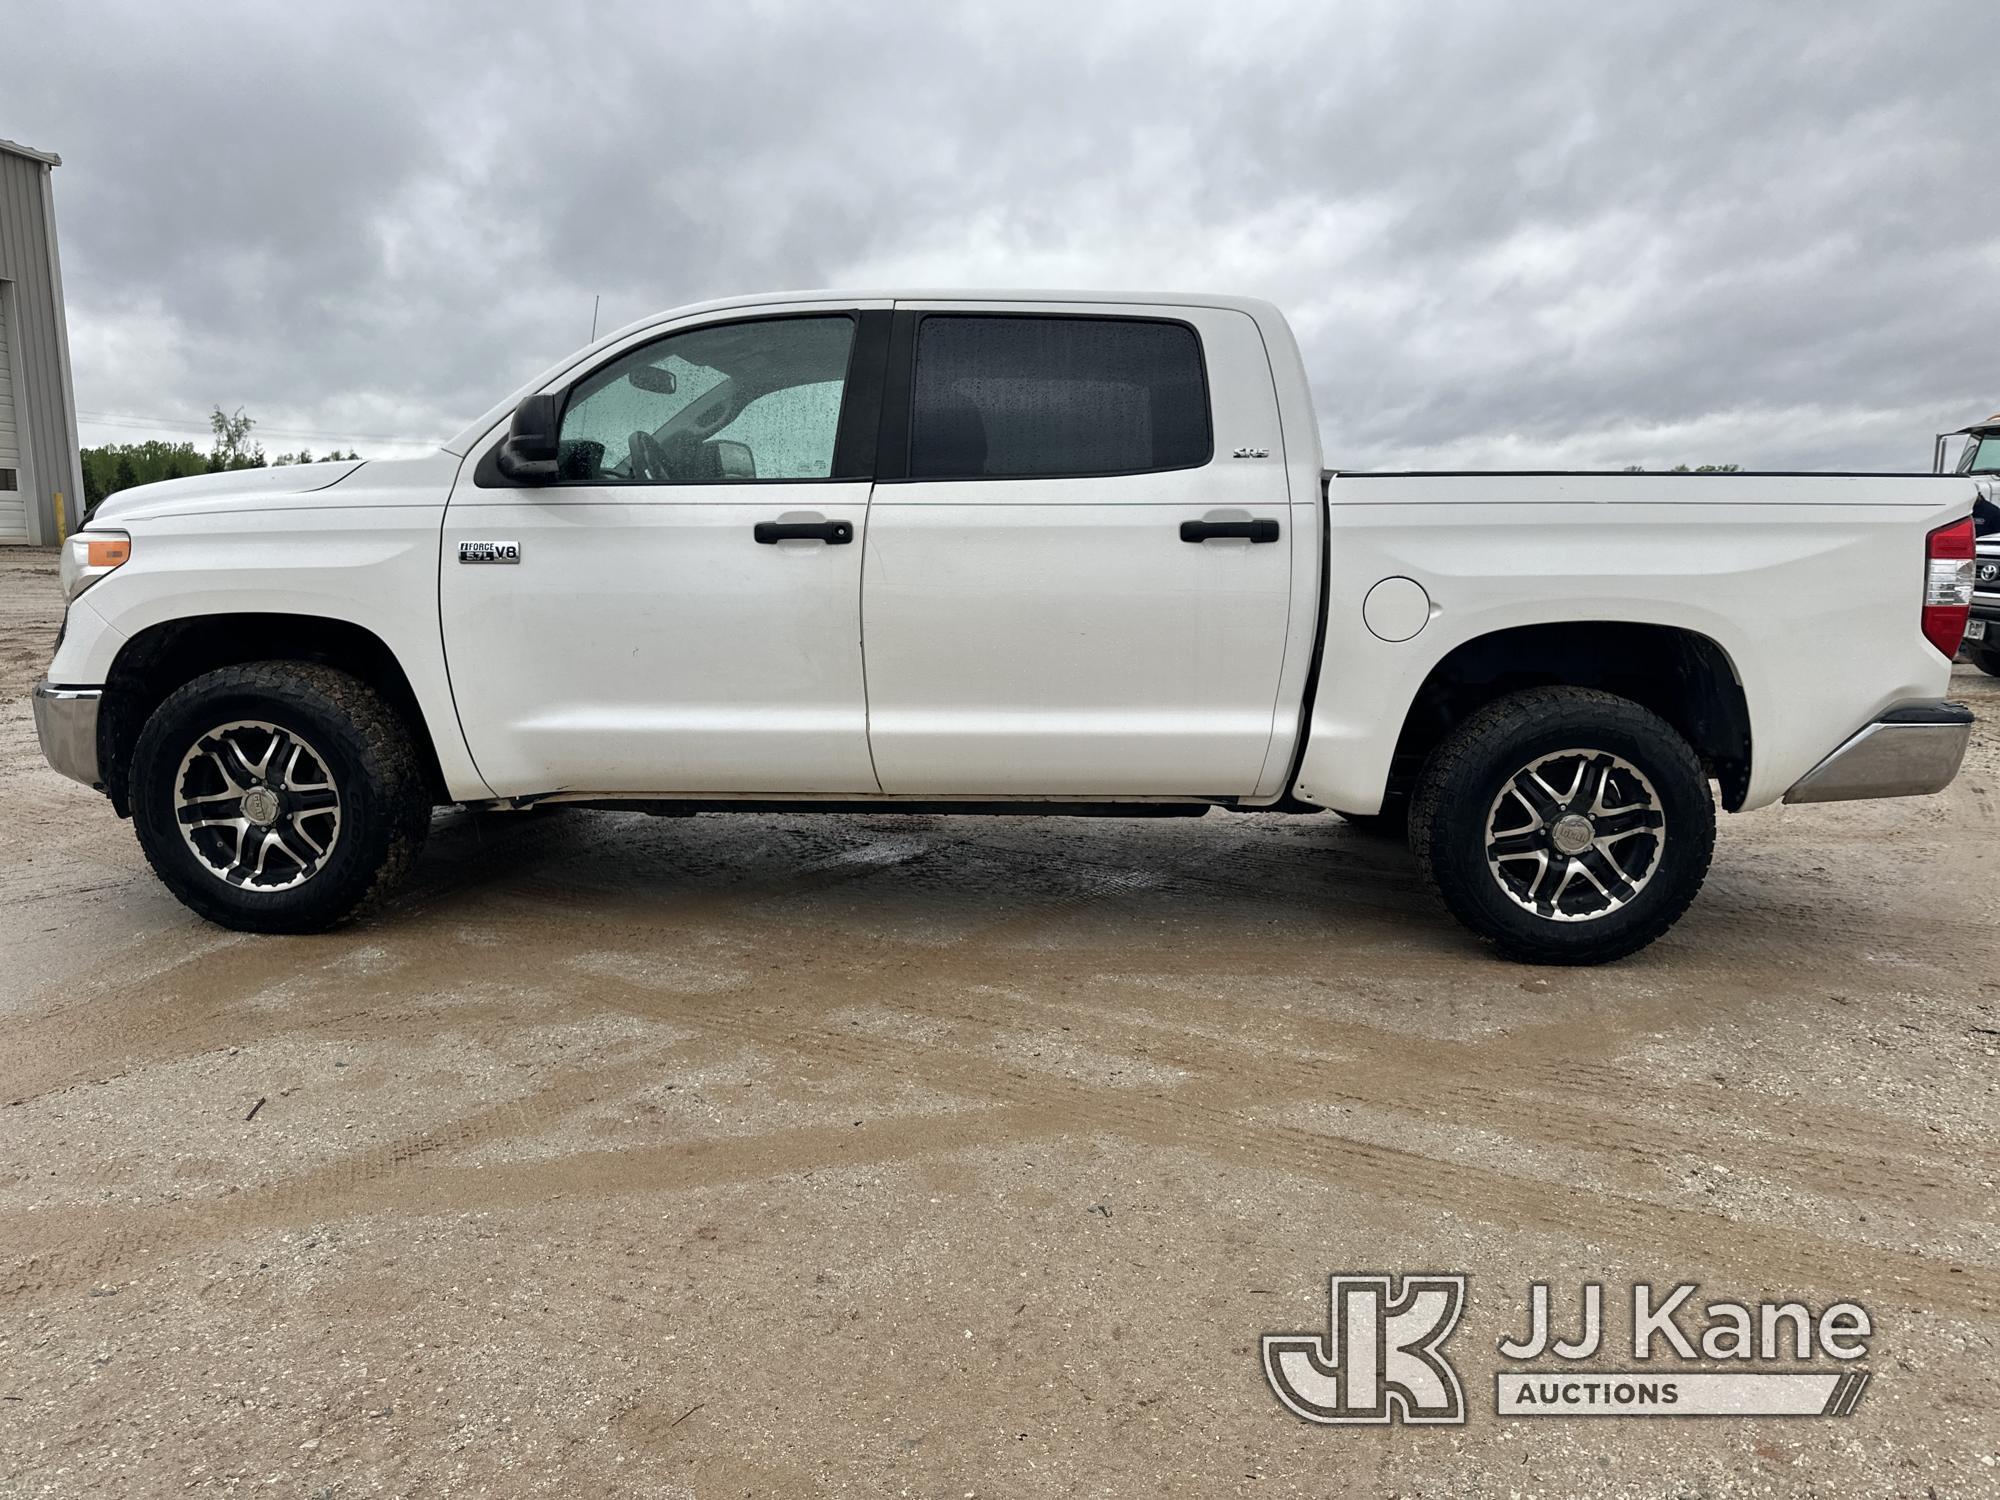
x=1264 y=312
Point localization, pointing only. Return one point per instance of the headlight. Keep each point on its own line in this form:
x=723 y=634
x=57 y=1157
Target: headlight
x=88 y=555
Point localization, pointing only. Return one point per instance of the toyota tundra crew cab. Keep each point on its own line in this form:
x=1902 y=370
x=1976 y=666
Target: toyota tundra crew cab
x=996 y=552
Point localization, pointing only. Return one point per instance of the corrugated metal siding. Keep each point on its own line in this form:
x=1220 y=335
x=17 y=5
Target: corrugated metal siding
x=10 y=446
x=13 y=501
x=35 y=346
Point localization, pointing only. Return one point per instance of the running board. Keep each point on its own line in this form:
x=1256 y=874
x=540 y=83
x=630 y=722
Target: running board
x=683 y=808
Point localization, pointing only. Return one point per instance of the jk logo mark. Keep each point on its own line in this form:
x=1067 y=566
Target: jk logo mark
x=1381 y=1358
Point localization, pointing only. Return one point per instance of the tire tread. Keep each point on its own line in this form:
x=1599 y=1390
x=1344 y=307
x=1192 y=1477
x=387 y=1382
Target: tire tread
x=390 y=762
x=1478 y=742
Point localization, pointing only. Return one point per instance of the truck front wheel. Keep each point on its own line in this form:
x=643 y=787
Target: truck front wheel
x=1564 y=825
x=278 y=796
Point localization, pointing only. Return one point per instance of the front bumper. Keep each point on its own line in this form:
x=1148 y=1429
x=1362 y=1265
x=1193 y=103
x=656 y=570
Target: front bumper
x=1986 y=610
x=1909 y=752
x=66 y=724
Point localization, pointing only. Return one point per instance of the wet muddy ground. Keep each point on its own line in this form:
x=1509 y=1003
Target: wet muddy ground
x=929 y=1156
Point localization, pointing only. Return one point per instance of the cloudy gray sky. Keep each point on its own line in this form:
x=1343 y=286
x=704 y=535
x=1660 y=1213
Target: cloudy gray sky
x=1508 y=234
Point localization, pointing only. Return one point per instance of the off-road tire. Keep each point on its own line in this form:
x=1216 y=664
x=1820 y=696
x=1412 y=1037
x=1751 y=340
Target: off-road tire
x=1468 y=770
x=370 y=757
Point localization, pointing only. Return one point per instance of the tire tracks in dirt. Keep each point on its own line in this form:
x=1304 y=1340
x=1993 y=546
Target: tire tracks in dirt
x=1212 y=1113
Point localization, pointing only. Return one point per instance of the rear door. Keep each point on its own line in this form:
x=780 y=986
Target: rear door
x=1079 y=567
x=681 y=612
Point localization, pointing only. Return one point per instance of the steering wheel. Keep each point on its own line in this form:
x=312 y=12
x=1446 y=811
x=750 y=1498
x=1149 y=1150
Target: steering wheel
x=648 y=458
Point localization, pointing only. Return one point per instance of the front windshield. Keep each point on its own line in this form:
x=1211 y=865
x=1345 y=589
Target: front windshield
x=1981 y=455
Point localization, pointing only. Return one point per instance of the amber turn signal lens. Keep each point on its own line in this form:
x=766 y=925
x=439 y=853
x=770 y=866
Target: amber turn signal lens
x=107 y=554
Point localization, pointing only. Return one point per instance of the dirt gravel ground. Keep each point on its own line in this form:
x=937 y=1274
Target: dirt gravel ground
x=948 y=1157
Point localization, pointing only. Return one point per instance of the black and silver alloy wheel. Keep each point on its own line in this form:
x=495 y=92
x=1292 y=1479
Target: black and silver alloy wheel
x=1564 y=825
x=257 y=805
x=278 y=796
x=1574 y=835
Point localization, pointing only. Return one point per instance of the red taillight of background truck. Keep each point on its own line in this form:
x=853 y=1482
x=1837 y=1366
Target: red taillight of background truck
x=1948 y=585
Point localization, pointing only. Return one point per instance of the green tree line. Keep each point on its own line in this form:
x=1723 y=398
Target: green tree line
x=120 y=466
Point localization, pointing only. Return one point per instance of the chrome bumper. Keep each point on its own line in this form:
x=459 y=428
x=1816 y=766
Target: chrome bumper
x=66 y=724
x=1910 y=752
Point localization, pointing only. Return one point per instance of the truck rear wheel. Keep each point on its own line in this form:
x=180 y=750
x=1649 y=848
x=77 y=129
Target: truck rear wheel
x=278 y=796
x=1564 y=825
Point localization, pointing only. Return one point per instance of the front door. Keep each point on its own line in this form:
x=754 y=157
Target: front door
x=1076 y=585
x=680 y=612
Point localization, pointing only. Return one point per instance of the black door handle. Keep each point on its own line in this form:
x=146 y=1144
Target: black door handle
x=1256 y=531
x=834 y=533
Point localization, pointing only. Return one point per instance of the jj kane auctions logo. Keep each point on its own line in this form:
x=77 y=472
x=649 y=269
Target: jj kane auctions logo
x=1382 y=1357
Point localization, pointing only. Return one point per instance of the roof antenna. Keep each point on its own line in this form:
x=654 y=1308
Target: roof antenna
x=593 y=316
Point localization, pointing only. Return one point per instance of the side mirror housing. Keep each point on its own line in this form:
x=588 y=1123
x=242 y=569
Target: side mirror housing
x=528 y=456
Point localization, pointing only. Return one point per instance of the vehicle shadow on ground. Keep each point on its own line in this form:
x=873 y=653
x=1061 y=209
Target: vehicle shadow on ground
x=1311 y=890
x=920 y=876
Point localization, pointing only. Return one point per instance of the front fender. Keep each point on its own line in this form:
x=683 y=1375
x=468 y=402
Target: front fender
x=379 y=577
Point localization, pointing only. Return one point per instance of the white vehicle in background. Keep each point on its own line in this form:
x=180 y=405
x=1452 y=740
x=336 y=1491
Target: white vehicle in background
x=996 y=552
x=1982 y=630
x=1979 y=459
x=1980 y=455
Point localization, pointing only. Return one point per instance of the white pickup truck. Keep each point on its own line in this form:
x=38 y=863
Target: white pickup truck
x=996 y=552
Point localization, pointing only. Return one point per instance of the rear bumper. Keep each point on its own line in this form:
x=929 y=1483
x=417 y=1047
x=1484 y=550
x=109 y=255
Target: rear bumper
x=66 y=724
x=1909 y=752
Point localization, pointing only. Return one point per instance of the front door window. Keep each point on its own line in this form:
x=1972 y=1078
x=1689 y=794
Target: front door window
x=730 y=402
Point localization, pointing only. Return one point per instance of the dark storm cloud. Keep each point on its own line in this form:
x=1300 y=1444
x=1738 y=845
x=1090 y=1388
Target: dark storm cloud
x=1508 y=234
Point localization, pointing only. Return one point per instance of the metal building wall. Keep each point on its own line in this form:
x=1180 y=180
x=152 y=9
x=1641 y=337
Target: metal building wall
x=38 y=338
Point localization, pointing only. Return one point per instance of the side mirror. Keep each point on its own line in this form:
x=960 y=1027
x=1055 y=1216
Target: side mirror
x=528 y=456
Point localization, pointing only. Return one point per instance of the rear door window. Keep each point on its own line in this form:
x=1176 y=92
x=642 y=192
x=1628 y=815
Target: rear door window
x=1008 y=396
